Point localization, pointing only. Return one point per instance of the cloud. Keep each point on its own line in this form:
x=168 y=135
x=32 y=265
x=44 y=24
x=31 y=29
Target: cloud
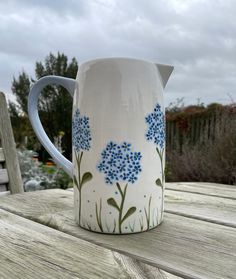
x=197 y=37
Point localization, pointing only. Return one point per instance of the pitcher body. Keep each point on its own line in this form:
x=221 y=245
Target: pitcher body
x=118 y=139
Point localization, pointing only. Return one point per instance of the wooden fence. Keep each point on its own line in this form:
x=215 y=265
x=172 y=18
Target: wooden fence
x=197 y=128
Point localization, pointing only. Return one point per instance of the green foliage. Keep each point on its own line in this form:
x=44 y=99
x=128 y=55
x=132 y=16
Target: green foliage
x=62 y=179
x=20 y=88
x=55 y=104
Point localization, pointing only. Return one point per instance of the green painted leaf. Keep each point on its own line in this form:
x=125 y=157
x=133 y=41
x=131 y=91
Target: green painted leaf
x=76 y=182
x=130 y=211
x=87 y=176
x=113 y=203
x=158 y=182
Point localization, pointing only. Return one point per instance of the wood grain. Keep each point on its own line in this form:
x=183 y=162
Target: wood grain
x=209 y=208
x=2 y=188
x=4 y=193
x=31 y=250
x=9 y=146
x=182 y=246
x=209 y=189
x=3 y=176
x=2 y=157
x=141 y=270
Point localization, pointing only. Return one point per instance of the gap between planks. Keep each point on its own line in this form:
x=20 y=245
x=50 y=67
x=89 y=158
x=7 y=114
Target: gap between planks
x=182 y=246
x=4 y=179
x=208 y=208
x=204 y=188
x=2 y=157
x=203 y=194
x=32 y=250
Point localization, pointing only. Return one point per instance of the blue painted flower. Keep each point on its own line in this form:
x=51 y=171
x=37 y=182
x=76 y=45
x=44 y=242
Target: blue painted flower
x=118 y=163
x=156 y=126
x=81 y=135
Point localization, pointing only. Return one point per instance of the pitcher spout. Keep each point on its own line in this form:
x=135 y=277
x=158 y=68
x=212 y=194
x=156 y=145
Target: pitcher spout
x=165 y=72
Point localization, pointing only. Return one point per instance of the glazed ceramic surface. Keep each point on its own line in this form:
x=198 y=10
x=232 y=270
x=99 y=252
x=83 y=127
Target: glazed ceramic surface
x=118 y=143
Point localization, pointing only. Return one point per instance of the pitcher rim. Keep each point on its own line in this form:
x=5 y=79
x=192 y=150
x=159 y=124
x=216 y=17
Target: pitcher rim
x=121 y=58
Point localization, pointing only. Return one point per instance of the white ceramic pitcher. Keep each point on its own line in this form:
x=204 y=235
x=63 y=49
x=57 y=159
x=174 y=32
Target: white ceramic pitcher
x=118 y=137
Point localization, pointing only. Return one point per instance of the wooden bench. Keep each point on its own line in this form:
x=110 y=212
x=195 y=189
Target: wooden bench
x=10 y=175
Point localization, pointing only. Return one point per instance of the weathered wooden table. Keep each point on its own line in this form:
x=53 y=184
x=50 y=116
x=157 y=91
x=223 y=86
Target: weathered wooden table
x=39 y=238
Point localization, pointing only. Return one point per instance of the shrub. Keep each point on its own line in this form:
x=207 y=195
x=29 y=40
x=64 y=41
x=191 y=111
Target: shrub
x=209 y=159
x=37 y=176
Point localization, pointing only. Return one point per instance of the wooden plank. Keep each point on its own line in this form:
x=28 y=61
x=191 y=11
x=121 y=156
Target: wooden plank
x=4 y=193
x=203 y=121
x=168 y=135
x=9 y=146
x=3 y=176
x=31 y=250
x=209 y=208
x=172 y=137
x=2 y=157
x=192 y=125
x=182 y=246
x=210 y=189
x=209 y=127
x=3 y=188
x=177 y=136
x=213 y=126
x=175 y=142
x=200 y=128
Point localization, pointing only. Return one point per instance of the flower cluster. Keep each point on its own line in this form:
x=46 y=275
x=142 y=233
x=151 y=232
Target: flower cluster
x=156 y=126
x=119 y=163
x=81 y=135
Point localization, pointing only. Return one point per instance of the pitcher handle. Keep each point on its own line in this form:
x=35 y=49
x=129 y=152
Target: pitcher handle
x=35 y=91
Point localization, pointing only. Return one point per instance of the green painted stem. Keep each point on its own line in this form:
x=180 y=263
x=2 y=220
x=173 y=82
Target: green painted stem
x=148 y=213
x=99 y=215
x=123 y=194
x=79 y=159
x=112 y=202
x=162 y=178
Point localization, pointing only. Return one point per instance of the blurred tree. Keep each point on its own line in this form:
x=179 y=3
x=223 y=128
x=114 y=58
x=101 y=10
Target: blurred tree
x=20 y=88
x=55 y=104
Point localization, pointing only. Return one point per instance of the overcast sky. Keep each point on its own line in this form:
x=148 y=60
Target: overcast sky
x=198 y=37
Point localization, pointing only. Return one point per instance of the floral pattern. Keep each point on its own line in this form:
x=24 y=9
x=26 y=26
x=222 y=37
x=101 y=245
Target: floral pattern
x=81 y=140
x=121 y=166
x=156 y=133
x=156 y=127
x=81 y=135
x=120 y=163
